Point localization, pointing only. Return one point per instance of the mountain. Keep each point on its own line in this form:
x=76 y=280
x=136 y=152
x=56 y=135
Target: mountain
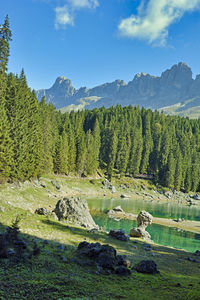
x=174 y=92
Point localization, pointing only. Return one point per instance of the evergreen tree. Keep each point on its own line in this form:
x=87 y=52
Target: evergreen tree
x=5 y=38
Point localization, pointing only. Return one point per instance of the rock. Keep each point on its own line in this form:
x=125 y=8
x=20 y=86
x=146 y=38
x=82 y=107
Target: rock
x=119 y=235
x=2 y=209
x=191 y=259
x=113 y=189
x=197 y=253
x=75 y=211
x=61 y=247
x=123 y=261
x=105 y=257
x=90 y=250
x=124 y=196
x=196 y=197
x=107 y=260
x=43 y=184
x=123 y=271
x=108 y=184
x=42 y=211
x=118 y=209
x=147 y=266
x=179 y=220
x=53 y=215
x=143 y=219
x=56 y=184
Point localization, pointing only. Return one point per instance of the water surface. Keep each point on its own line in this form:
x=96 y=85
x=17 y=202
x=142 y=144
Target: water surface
x=163 y=235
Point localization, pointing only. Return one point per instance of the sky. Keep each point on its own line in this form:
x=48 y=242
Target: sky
x=96 y=41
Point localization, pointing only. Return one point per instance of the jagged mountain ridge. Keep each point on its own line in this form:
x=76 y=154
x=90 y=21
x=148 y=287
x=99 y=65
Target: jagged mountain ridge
x=175 y=85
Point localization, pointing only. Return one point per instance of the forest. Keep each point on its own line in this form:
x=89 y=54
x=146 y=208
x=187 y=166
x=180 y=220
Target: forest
x=36 y=139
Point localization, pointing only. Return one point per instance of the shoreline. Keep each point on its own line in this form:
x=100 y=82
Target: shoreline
x=186 y=225
x=134 y=189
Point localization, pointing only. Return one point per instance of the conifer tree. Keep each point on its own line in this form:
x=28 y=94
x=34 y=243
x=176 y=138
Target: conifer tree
x=5 y=38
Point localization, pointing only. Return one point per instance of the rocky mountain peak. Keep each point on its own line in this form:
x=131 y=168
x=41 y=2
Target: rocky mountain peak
x=175 y=85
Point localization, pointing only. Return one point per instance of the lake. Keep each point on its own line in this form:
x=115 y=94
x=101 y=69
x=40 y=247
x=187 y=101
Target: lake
x=162 y=235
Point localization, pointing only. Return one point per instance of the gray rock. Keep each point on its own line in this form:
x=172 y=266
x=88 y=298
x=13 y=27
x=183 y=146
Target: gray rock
x=42 y=211
x=124 y=196
x=119 y=235
x=144 y=219
x=107 y=184
x=106 y=258
x=2 y=209
x=118 y=209
x=147 y=266
x=123 y=271
x=75 y=211
x=196 y=197
x=113 y=189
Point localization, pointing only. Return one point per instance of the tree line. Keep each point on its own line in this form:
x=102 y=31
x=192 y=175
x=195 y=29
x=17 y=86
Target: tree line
x=36 y=139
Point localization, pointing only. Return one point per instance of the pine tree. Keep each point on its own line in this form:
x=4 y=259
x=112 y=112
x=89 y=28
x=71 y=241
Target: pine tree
x=5 y=38
x=112 y=150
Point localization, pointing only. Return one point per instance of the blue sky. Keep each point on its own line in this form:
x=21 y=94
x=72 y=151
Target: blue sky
x=96 y=41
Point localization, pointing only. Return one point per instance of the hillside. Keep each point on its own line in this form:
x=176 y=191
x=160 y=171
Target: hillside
x=57 y=272
x=175 y=88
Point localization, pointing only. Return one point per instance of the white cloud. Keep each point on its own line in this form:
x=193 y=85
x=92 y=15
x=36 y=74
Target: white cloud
x=63 y=17
x=77 y=4
x=65 y=14
x=154 y=18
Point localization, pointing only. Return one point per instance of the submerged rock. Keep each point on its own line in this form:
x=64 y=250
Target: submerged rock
x=75 y=211
x=144 y=219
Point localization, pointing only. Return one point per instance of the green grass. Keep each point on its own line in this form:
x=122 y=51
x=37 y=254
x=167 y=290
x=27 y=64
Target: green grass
x=47 y=276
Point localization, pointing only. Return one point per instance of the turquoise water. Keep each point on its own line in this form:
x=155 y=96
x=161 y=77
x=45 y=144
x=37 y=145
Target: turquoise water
x=161 y=210
x=162 y=235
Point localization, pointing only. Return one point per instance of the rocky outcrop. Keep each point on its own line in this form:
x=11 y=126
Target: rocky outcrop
x=75 y=211
x=144 y=219
x=105 y=257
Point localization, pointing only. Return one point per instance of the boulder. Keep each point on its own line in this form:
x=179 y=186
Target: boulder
x=147 y=266
x=42 y=211
x=123 y=271
x=144 y=219
x=105 y=257
x=124 y=196
x=118 y=209
x=119 y=234
x=75 y=211
x=107 y=184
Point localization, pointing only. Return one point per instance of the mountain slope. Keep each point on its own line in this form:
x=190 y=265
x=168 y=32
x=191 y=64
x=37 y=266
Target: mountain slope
x=174 y=86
